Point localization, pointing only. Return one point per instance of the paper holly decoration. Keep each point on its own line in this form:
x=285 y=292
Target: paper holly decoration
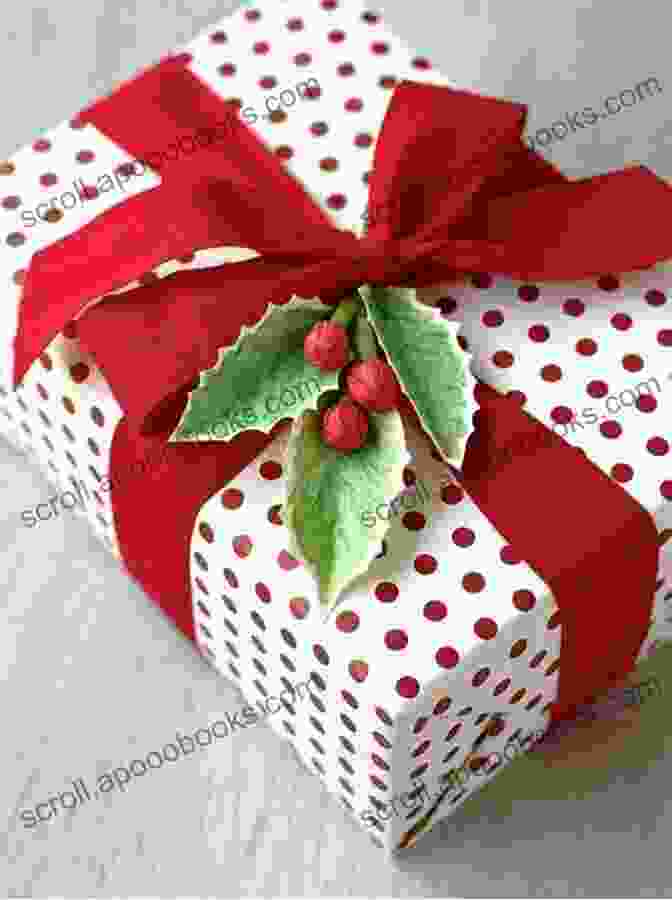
x=339 y=375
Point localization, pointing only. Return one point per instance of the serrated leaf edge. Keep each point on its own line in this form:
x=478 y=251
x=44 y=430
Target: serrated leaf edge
x=455 y=458
x=245 y=331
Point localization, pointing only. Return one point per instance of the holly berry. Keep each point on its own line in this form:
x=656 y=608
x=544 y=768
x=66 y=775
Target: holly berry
x=373 y=384
x=326 y=346
x=345 y=426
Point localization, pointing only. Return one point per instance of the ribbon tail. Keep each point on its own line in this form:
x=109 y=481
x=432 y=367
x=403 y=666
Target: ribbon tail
x=597 y=552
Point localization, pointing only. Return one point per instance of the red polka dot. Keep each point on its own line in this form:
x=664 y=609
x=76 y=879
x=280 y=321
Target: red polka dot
x=608 y=283
x=452 y=494
x=463 y=537
x=262 y=592
x=358 y=670
x=632 y=362
x=538 y=333
x=435 y=611
x=657 y=446
x=518 y=397
x=621 y=322
x=503 y=359
x=562 y=415
x=508 y=556
x=666 y=490
x=295 y=24
x=42 y=145
x=268 y=82
x=622 y=473
x=284 y=152
x=270 y=470
x=252 y=15
x=665 y=337
x=85 y=156
x=302 y=59
x=485 y=629
x=447 y=657
x=336 y=201
x=493 y=318
x=551 y=373
x=298 y=607
x=345 y=70
x=655 y=298
x=227 y=70
x=482 y=280
x=387 y=82
x=353 y=104
x=79 y=372
x=586 y=347
x=420 y=62
x=425 y=564
x=573 y=307
x=329 y=5
x=396 y=639
x=12 y=202
x=524 y=600
x=414 y=521
x=218 y=37
x=261 y=47
x=337 y=36
x=610 y=429
x=528 y=293
x=386 y=592
x=206 y=532
x=380 y=48
x=287 y=562
x=646 y=403
x=447 y=306
x=347 y=621
x=242 y=545
x=597 y=389
x=363 y=140
x=407 y=687
x=232 y=498
x=473 y=582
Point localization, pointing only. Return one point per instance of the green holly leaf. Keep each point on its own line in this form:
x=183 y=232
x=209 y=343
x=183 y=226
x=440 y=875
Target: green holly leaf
x=429 y=363
x=260 y=380
x=330 y=495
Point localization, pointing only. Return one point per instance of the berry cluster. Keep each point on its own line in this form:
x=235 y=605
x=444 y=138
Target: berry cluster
x=370 y=382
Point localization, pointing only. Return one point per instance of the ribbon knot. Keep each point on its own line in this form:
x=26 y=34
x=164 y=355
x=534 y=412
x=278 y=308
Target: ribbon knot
x=379 y=260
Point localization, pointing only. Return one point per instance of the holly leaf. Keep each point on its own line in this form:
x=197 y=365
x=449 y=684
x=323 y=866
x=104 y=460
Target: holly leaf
x=330 y=496
x=429 y=364
x=261 y=379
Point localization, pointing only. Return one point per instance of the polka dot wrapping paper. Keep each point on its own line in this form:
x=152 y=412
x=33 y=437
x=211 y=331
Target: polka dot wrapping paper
x=450 y=629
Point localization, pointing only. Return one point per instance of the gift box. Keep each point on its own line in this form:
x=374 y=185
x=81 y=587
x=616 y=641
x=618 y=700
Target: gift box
x=440 y=662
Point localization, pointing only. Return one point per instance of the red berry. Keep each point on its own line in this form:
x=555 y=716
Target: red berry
x=345 y=426
x=326 y=346
x=373 y=384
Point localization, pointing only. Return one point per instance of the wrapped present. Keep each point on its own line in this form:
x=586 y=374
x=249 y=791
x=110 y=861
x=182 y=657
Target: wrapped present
x=288 y=253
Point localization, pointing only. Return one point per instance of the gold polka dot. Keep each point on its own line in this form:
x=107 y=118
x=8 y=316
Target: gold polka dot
x=277 y=116
x=7 y=168
x=438 y=694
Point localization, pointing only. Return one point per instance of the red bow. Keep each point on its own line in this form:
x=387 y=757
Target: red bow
x=453 y=189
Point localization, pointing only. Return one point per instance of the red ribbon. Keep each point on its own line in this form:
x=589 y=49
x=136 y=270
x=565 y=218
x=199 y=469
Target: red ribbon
x=459 y=192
